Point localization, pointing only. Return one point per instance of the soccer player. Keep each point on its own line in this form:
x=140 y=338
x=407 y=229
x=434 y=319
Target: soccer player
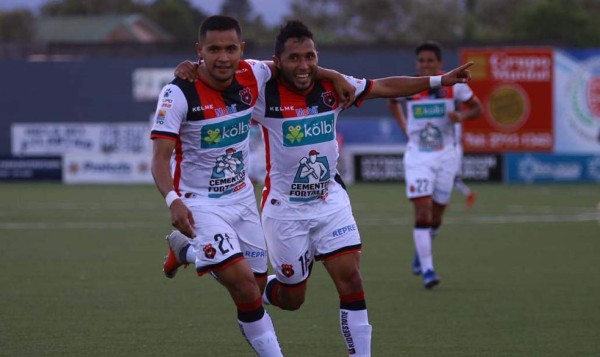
x=306 y=212
x=431 y=161
x=199 y=164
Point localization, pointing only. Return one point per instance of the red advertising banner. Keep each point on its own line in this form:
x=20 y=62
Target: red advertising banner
x=515 y=88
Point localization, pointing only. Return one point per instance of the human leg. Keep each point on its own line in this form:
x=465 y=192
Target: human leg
x=254 y=321
x=291 y=257
x=354 y=321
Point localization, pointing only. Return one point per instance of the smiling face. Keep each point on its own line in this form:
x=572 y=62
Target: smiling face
x=428 y=64
x=298 y=63
x=221 y=52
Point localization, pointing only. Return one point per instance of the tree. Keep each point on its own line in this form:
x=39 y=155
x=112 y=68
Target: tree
x=565 y=22
x=16 y=26
x=177 y=17
x=90 y=7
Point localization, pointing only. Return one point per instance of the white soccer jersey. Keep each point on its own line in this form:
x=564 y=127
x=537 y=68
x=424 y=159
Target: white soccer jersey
x=429 y=128
x=302 y=181
x=211 y=127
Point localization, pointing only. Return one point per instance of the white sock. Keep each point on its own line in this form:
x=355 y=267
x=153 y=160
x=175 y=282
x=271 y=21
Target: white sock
x=261 y=336
x=356 y=332
x=422 y=238
x=190 y=255
x=461 y=186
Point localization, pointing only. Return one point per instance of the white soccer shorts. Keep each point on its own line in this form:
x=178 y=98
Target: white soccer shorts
x=294 y=244
x=225 y=234
x=431 y=174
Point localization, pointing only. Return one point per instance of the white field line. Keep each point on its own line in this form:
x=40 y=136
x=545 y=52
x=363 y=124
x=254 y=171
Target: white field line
x=493 y=219
x=362 y=221
x=78 y=225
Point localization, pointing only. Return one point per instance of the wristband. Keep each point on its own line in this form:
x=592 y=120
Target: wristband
x=170 y=197
x=435 y=82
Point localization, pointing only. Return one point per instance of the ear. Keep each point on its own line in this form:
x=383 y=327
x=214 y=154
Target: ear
x=242 y=47
x=199 y=49
x=277 y=61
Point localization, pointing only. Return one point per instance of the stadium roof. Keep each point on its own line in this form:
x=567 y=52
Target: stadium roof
x=100 y=29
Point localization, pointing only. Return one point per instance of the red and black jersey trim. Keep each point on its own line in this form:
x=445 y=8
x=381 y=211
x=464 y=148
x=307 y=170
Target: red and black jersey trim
x=208 y=268
x=361 y=97
x=157 y=134
x=205 y=102
x=316 y=97
x=274 y=99
x=341 y=251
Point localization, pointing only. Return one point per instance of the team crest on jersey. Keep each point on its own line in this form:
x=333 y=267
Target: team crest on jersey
x=209 y=251
x=328 y=99
x=246 y=96
x=287 y=270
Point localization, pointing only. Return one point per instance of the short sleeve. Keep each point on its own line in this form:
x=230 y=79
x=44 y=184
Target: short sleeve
x=262 y=72
x=171 y=111
x=462 y=92
x=362 y=88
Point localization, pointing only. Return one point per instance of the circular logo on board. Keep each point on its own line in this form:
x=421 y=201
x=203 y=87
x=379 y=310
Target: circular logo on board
x=584 y=101
x=508 y=107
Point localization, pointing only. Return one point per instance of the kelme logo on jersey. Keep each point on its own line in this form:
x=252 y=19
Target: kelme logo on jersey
x=428 y=111
x=308 y=131
x=225 y=133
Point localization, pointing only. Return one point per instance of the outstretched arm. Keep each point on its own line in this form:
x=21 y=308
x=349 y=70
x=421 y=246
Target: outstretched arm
x=401 y=86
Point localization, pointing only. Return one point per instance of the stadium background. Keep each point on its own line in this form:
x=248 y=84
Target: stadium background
x=81 y=263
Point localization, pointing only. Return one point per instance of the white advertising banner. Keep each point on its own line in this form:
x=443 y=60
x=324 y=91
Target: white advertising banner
x=55 y=139
x=106 y=168
x=148 y=82
x=577 y=101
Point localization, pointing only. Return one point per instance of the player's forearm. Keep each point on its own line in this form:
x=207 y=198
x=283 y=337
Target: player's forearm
x=472 y=111
x=399 y=86
x=161 y=172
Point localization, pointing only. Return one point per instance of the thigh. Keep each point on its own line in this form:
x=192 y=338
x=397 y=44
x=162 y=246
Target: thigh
x=419 y=175
x=335 y=234
x=289 y=249
x=444 y=182
x=252 y=240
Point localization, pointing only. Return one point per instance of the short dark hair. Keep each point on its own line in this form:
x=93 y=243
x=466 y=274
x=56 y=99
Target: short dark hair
x=292 y=29
x=219 y=23
x=432 y=46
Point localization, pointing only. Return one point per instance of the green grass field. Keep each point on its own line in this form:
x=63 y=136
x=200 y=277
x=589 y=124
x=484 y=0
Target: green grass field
x=81 y=276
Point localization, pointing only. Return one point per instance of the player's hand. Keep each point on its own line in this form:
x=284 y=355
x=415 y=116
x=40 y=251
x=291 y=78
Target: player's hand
x=187 y=70
x=456 y=117
x=460 y=74
x=345 y=91
x=182 y=219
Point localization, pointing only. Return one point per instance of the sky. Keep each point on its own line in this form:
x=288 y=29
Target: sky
x=272 y=11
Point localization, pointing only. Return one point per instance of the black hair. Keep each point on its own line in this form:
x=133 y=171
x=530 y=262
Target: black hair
x=432 y=46
x=219 y=23
x=292 y=29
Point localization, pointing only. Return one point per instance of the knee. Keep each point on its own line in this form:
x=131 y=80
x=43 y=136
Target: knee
x=291 y=301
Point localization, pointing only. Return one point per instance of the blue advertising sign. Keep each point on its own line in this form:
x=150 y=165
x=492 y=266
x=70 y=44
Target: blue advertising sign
x=30 y=168
x=551 y=168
